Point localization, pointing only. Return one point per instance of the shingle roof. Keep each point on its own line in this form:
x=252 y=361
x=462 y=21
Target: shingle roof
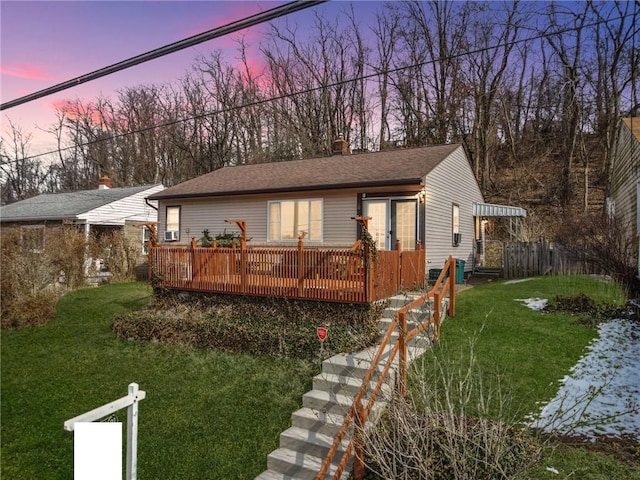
x=58 y=206
x=389 y=167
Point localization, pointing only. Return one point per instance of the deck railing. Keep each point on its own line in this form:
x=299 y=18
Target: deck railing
x=336 y=275
x=358 y=413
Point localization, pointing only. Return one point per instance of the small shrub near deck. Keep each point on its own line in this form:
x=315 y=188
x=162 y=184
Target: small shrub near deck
x=269 y=326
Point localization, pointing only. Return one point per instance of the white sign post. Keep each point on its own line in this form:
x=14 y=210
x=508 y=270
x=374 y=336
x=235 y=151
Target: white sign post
x=130 y=402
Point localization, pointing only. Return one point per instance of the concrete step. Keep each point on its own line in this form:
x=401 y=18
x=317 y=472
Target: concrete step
x=310 y=443
x=285 y=463
x=344 y=384
x=316 y=421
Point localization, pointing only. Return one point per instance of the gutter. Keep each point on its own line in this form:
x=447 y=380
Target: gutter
x=411 y=181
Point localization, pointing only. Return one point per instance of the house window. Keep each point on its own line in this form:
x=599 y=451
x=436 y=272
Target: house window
x=32 y=238
x=172 y=232
x=455 y=224
x=146 y=238
x=289 y=219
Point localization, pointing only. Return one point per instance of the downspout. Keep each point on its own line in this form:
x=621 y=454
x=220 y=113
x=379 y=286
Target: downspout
x=146 y=200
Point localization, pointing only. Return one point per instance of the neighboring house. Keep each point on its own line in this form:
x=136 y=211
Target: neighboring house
x=624 y=199
x=424 y=195
x=98 y=211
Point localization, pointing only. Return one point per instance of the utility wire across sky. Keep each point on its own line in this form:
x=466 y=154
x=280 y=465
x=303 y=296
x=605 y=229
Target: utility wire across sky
x=246 y=22
x=313 y=89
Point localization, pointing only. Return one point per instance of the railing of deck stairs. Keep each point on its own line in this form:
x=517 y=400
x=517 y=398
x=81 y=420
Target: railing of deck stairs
x=359 y=411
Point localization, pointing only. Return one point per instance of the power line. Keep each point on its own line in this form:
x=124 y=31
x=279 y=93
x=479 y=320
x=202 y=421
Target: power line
x=246 y=22
x=314 y=89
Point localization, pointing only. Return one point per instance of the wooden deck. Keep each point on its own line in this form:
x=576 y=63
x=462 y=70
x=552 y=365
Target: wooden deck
x=334 y=275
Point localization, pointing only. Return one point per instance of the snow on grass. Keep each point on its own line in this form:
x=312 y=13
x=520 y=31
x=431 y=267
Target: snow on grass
x=519 y=280
x=601 y=395
x=534 y=303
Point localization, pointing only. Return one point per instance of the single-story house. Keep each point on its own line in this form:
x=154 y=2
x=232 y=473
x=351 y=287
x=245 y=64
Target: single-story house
x=412 y=196
x=97 y=211
x=624 y=198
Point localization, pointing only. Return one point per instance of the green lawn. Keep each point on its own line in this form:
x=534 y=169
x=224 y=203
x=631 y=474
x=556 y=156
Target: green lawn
x=529 y=351
x=206 y=415
x=214 y=415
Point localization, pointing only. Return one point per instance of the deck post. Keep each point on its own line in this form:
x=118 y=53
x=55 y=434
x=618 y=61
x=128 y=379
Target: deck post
x=369 y=294
x=300 y=267
x=402 y=351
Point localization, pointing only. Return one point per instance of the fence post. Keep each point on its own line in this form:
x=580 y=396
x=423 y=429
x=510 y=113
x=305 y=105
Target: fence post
x=402 y=351
x=132 y=435
x=436 y=314
x=358 y=444
x=300 y=267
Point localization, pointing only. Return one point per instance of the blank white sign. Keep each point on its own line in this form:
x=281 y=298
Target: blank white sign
x=97 y=451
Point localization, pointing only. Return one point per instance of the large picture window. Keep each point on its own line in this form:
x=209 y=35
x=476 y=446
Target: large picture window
x=289 y=219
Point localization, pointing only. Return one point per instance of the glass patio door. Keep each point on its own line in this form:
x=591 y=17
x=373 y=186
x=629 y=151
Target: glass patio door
x=379 y=223
x=392 y=220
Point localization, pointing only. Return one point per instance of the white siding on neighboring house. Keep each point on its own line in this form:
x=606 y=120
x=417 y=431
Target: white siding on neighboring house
x=451 y=182
x=132 y=208
x=196 y=215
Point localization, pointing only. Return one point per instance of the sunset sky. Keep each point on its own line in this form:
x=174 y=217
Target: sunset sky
x=44 y=43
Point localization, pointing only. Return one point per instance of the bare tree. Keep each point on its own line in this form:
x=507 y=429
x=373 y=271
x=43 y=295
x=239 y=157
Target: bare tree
x=20 y=176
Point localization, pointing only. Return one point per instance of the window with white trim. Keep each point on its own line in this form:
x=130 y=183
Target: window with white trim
x=146 y=238
x=289 y=219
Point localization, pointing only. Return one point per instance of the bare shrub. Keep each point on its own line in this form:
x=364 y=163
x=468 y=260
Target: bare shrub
x=30 y=311
x=606 y=243
x=119 y=253
x=66 y=250
x=453 y=425
x=27 y=296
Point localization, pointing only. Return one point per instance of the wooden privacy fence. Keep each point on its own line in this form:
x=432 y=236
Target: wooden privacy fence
x=365 y=399
x=337 y=275
x=526 y=259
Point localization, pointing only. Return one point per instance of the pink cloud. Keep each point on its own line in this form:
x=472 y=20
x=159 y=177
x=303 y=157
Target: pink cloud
x=29 y=72
x=239 y=11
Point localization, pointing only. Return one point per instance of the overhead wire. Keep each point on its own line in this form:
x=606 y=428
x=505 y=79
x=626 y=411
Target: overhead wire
x=324 y=86
x=232 y=27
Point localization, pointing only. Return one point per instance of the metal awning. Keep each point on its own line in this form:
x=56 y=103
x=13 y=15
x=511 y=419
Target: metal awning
x=492 y=210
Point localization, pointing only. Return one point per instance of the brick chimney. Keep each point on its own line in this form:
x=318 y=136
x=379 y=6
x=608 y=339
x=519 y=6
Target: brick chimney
x=341 y=146
x=104 y=183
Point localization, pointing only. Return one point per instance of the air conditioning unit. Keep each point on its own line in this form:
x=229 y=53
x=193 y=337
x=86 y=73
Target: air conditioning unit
x=171 y=235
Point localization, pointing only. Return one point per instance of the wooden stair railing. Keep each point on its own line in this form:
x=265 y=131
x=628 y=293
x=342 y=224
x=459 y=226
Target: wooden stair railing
x=359 y=413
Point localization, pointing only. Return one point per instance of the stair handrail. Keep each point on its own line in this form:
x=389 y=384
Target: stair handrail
x=358 y=413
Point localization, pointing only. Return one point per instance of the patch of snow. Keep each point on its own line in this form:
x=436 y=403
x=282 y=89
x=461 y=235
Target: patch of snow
x=601 y=395
x=534 y=303
x=519 y=280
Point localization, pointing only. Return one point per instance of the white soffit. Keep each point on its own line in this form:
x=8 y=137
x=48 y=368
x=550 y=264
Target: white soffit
x=492 y=210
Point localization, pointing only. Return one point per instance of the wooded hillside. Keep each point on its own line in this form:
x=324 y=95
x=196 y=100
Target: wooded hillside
x=533 y=90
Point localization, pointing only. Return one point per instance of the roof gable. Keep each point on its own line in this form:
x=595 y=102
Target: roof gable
x=59 y=206
x=389 y=167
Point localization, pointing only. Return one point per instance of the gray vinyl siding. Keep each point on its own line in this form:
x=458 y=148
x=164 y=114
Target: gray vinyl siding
x=196 y=215
x=451 y=182
x=625 y=176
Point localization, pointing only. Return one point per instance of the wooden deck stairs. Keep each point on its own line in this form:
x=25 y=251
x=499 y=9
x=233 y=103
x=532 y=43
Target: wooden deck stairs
x=305 y=444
